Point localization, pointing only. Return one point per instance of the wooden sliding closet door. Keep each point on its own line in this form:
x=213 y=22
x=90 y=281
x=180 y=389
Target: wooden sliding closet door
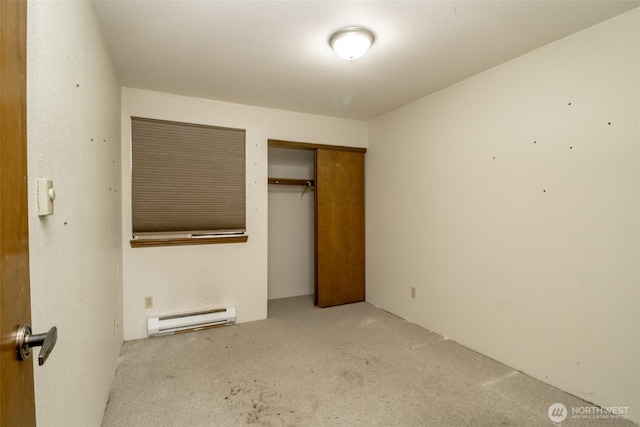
x=339 y=227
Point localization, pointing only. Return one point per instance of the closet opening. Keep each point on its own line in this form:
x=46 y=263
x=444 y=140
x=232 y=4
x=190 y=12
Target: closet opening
x=291 y=250
x=316 y=222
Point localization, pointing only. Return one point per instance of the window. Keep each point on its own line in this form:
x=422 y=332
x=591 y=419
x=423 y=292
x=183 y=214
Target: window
x=188 y=183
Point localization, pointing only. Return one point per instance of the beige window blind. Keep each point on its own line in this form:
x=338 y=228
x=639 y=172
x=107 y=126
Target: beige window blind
x=187 y=179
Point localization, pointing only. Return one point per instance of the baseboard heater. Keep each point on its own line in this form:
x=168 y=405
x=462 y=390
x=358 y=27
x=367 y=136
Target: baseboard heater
x=164 y=325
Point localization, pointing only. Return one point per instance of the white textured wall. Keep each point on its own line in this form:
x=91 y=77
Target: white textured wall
x=511 y=201
x=73 y=106
x=291 y=239
x=186 y=278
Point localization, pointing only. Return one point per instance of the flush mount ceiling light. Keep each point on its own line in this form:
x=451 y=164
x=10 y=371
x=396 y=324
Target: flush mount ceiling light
x=352 y=42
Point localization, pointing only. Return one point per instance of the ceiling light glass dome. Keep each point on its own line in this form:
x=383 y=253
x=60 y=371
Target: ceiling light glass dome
x=352 y=42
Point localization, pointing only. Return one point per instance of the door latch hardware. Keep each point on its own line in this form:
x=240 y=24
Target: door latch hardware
x=25 y=340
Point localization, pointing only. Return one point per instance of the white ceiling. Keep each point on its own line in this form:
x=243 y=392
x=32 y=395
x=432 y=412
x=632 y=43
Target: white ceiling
x=276 y=54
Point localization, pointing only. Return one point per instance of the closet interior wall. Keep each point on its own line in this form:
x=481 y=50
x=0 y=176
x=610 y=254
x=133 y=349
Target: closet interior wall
x=291 y=225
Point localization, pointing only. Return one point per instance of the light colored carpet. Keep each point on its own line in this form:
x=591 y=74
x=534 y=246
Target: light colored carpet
x=352 y=365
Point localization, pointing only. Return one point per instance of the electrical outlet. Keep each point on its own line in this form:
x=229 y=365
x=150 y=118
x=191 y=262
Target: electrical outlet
x=413 y=292
x=148 y=302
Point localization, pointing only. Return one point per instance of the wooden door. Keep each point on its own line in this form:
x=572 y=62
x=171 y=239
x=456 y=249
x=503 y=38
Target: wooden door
x=339 y=219
x=17 y=407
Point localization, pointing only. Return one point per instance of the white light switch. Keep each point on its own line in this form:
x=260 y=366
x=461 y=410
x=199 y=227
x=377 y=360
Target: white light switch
x=46 y=196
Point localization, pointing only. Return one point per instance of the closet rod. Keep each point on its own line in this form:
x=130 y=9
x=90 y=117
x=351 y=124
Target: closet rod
x=292 y=181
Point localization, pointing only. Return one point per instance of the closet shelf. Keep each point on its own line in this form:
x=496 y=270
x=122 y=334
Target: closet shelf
x=292 y=181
